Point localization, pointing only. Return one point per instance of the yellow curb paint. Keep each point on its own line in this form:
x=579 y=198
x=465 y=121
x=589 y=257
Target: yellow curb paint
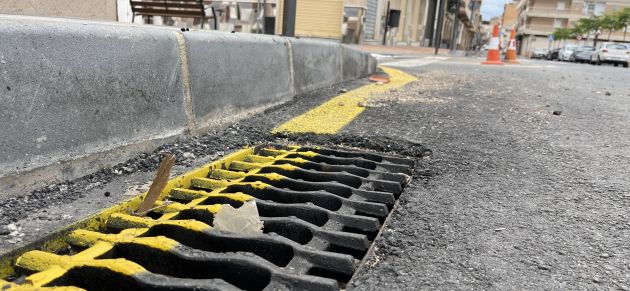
x=333 y=115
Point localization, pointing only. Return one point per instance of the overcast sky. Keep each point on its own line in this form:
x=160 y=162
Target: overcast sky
x=490 y=8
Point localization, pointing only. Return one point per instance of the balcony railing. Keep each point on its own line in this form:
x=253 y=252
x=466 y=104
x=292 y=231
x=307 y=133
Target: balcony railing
x=548 y=12
x=538 y=29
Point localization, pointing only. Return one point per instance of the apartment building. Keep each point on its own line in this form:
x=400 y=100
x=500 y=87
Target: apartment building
x=412 y=25
x=537 y=19
x=462 y=26
x=509 y=19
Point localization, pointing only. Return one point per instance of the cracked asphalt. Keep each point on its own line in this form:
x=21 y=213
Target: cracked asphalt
x=505 y=195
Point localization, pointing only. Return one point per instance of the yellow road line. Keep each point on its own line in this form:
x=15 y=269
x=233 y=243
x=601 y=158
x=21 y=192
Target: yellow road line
x=333 y=115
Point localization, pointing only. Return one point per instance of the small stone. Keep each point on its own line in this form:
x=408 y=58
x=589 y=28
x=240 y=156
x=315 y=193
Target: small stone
x=107 y=194
x=341 y=104
x=92 y=185
x=361 y=104
x=12 y=227
x=343 y=90
x=543 y=267
x=604 y=256
x=607 y=93
x=128 y=169
x=557 y=112
x=597 y=280
x=188 y=155
x=4 y=230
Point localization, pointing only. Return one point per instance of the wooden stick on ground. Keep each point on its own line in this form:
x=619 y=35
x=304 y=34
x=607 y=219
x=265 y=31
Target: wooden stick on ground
x=164 y=171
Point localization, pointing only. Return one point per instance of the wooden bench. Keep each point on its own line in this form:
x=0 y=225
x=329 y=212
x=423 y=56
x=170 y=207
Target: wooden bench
x=173 y=8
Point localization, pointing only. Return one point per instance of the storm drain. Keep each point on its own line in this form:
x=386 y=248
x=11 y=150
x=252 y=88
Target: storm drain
x=321 y=209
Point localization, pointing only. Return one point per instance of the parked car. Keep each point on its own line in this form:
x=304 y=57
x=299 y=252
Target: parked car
x=553 y=54
x=539 y=53
x=582 y=54
x=612 y=53
x=565 y=53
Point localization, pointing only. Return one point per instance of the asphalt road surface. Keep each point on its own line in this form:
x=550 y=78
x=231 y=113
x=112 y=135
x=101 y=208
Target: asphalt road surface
x=511 y=196
x=514 y=197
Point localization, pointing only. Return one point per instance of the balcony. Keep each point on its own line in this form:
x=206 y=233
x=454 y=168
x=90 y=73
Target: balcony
x=548 y=12
x=537 y=29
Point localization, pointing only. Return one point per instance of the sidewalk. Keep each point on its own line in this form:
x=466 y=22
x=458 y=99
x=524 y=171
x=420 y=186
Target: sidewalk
x=400 y=50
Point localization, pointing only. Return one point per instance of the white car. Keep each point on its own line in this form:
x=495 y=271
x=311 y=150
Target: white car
x=566 y=52
x=612 y=53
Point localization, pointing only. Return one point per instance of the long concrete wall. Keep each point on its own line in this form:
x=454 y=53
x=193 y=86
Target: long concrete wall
x=76 y=95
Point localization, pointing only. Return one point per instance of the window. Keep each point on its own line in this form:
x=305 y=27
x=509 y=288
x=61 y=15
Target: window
x=557 y=23
x=596 y=9
x=560 y=5
x=590 y=8
x=616 y=46
x=599 y=9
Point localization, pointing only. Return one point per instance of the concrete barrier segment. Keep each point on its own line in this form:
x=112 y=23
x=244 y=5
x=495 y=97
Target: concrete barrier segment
x=70 y=89
x=316 y=63
x=80 y=95
x=233 y=73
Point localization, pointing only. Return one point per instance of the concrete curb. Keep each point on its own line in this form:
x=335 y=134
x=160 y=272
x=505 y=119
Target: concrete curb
x=74 y=92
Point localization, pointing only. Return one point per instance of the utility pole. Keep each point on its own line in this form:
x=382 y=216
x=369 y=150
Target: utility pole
x=288 y=18
x=438 y=30
x=386 y=24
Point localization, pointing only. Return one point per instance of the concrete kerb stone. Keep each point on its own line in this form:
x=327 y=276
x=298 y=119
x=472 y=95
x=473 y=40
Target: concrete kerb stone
x=233 y=73
x=76 y=92
x=355 y=64
x=316 y=63
x=70 y=89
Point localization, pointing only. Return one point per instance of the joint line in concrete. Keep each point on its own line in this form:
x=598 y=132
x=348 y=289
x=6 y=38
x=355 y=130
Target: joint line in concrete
x=291 y=69
x=183 y=57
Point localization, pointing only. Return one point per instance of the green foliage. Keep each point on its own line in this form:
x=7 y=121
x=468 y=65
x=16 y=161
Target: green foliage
x=587 y=26
x=563 y=33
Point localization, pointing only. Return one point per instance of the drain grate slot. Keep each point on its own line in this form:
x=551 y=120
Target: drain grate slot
x=321 y=209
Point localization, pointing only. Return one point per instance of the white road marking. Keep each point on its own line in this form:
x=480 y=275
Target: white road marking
x=409 y=63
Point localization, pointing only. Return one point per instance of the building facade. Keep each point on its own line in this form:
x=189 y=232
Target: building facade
x=411 y=27
x=85 y=9
x=418 y=23
x=537 y=19
x=462 y=25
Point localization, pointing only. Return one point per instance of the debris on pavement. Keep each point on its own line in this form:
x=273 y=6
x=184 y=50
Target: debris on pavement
x=163 y=173
x=243 y=220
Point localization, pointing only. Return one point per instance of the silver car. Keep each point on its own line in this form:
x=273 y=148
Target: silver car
x=539 y=53
x=612 y=53
x=566 y=52
x=582 y=54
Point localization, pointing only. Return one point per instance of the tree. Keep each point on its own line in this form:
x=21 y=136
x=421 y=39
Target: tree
x=590 y=25
x=623 y=20
x=562 y=34
x=608 y=22
x=580 y=30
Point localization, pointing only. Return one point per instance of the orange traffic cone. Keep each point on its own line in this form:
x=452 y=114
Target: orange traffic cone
x=510 y=55
x=494 y=54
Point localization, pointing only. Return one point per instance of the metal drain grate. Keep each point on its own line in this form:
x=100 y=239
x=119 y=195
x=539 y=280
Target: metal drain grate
x=321 y=208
